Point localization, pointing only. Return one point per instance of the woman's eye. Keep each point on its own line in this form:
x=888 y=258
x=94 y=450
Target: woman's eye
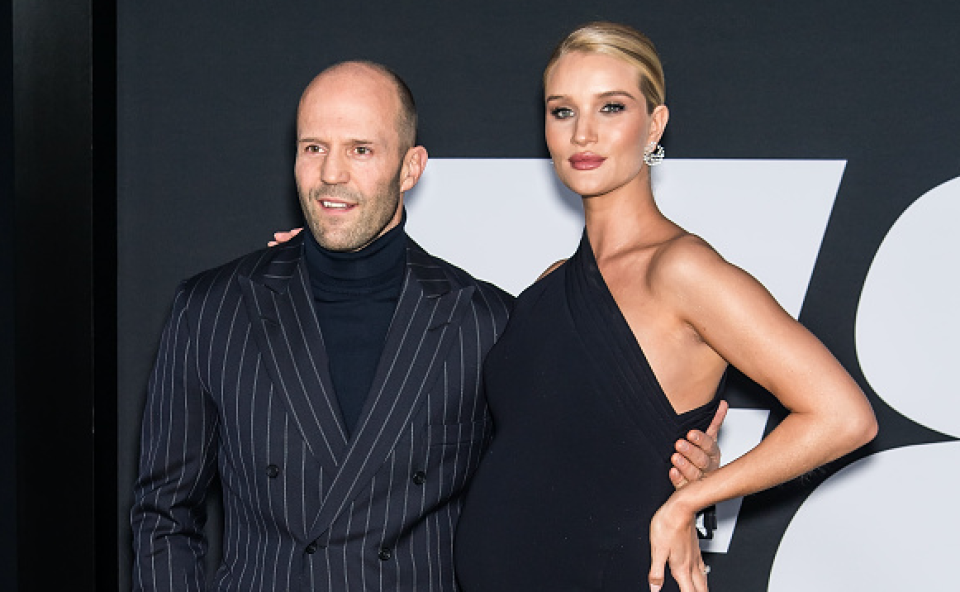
x=612 y=108
x=561 y=112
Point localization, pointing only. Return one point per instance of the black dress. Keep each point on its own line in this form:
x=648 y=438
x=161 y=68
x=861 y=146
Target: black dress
x=579 y=464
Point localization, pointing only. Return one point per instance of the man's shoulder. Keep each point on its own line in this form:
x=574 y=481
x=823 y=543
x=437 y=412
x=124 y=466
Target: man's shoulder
x=269 y=262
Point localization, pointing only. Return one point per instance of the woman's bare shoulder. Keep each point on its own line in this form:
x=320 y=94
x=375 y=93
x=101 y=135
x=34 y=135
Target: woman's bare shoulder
x=550 y=269
x=686 y=258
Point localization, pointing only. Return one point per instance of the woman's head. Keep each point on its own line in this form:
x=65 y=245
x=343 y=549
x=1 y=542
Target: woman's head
x=603 y=93
x=622 y=42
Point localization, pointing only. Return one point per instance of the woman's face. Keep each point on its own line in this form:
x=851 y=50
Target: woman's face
x=597 y=123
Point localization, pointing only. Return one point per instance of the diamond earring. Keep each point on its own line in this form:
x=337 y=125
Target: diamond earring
x=653 y=156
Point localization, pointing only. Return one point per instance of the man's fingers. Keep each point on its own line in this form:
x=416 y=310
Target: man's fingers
x=687 y=469
x=696 y=453
x=677 y=478
x=704 y=452
x=718 y=418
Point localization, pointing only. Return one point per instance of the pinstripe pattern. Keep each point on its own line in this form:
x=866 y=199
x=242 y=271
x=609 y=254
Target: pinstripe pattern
x=241 y=388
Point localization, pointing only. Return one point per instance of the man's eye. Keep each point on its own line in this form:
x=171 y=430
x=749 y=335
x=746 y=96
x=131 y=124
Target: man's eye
x=612 y=108
x=313 y=148
x=363 y=150
x=561 y=112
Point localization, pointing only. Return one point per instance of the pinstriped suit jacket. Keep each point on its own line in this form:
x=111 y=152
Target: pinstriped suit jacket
x=241 y=388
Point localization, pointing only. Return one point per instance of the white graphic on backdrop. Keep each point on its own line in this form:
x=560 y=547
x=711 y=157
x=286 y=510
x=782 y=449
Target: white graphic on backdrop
x=908 y=313
x=503 y=220
x=507 y=220
x=891 y=521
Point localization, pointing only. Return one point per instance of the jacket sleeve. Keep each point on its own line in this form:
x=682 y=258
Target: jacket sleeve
x=177 y=463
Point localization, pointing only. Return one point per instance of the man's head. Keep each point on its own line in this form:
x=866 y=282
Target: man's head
x=356 y=129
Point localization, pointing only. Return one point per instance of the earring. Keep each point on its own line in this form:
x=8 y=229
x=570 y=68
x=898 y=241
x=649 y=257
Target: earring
x=653 y=156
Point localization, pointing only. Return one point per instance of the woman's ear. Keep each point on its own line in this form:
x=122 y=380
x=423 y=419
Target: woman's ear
x=658 y=123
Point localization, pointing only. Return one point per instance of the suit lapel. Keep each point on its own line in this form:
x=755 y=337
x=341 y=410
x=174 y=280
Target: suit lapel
x=279 y=303
x=424 y=326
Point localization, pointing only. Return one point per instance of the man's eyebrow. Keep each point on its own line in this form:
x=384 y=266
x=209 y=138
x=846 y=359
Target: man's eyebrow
x=351 y=141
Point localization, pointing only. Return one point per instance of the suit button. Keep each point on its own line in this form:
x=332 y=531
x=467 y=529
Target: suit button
x=312 y=548
x=273 y=471
x=419 y=477
x=384 y=554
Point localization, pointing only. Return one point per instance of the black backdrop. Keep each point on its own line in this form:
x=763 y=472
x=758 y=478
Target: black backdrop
x=8 y=506
x=58 y=297
x=206 y=94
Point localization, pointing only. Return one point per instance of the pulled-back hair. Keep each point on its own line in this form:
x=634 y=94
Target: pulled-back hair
x=619 y=41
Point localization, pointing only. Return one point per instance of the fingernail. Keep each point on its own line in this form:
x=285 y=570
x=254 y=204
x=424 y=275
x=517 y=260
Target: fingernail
x=655 y=588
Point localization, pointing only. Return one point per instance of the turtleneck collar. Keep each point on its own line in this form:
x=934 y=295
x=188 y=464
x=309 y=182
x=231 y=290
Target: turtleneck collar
x=379 y=264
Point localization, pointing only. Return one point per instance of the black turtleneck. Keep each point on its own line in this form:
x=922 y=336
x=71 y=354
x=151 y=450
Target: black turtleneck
x=355 y=295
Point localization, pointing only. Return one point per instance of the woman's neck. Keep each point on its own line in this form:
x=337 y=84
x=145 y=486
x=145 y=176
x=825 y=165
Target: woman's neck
x=623 y=220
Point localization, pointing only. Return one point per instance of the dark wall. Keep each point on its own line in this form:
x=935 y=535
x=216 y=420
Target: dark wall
x=53 y=322
x=8 y=440
x=59 y=307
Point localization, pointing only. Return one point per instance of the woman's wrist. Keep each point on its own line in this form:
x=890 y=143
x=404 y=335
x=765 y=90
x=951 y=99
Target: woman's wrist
x=686 y=501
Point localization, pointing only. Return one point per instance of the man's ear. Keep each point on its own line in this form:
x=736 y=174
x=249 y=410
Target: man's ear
x=414 y=161
x=658 y=123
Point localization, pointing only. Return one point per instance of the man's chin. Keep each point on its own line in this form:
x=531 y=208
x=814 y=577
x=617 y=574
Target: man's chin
x=340 y=244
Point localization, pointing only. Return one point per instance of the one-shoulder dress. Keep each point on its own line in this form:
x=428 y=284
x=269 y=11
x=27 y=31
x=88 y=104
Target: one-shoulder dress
x=579 y=463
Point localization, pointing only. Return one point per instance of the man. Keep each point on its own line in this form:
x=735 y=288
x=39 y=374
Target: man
x=333 y=382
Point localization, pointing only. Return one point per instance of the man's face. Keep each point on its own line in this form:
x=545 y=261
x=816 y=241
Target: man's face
x=350 y=170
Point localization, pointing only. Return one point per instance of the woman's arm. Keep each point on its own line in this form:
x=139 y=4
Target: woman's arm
x=829 y=414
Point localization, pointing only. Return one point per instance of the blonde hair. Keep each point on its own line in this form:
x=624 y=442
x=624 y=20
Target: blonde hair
x=622 y=42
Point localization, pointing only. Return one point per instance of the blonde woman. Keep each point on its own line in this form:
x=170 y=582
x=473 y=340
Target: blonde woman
x=617 y=352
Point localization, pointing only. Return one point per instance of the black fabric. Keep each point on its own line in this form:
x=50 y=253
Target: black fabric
x=579 y=464
x=355 y=295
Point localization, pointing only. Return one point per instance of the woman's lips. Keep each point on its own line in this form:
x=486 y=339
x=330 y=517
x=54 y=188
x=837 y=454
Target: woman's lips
x=585 y=161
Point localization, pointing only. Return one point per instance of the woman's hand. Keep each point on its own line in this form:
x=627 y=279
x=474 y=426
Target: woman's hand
x=282 y=237
x=673 y=543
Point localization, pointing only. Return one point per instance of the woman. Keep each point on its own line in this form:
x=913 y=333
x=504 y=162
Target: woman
x=616 y=352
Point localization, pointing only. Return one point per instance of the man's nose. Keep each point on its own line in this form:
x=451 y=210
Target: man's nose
x=333 y=170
